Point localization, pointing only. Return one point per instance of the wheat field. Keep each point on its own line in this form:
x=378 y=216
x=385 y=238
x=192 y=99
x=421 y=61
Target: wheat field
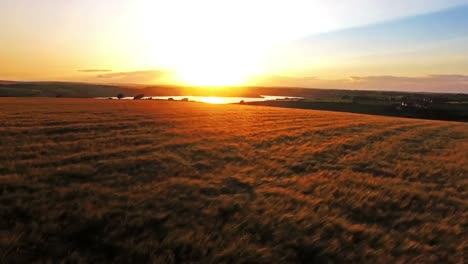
x=86 y=180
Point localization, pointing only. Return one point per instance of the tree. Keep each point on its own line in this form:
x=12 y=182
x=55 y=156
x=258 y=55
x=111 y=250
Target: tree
x=138 y=97
x=120 y=96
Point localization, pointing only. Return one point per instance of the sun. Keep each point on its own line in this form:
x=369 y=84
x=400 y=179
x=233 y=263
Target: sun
x=215 y=64
x=213 y=100
x=212 y=75
x=205 y=48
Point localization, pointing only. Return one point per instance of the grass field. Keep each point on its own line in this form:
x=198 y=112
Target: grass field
x=85 y=180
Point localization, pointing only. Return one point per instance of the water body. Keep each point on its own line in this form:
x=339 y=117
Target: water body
x=214 y=99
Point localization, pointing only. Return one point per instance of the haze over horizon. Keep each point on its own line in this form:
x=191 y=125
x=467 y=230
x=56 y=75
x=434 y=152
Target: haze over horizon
x=390 y=45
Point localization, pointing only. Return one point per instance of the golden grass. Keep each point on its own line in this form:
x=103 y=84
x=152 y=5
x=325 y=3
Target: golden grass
x=87 y=180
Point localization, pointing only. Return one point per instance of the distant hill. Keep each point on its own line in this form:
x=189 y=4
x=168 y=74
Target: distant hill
x=89 y=90
x=6 y=82
x=61 y=89
x=403 y=104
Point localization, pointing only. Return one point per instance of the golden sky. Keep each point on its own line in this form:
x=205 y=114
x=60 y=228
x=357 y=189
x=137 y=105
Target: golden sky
x=257 y=42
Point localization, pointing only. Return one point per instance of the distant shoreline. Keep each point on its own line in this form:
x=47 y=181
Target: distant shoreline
x=443 y=106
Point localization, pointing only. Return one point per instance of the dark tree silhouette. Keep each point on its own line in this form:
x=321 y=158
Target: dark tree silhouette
x=120 y=96
x=138 y=97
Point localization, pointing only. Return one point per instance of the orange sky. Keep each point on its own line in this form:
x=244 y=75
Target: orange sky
x=356 y=44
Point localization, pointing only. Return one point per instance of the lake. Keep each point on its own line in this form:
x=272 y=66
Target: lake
x=214 y=99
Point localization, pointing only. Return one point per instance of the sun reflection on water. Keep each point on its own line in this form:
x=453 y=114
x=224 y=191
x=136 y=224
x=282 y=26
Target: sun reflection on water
x=212 y=100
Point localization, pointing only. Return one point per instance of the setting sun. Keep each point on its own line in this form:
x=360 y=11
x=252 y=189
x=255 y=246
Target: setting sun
x=213 y=69
x=212 y=60
x=207 y=75
x=212 y=100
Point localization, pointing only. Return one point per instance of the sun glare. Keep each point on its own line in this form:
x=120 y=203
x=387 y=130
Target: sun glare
x=205 y=75
x=212 y=100
x=204 y=49
x=214 y=62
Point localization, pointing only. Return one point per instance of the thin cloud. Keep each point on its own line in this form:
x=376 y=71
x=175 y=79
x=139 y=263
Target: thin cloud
x=94 y=70
x=420 y=80
x=454 y=78
x=430 y=83
x=148 y=76
x=152 y=73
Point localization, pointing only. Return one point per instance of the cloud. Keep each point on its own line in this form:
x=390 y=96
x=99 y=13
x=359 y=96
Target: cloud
x=449 y=83
x=140 y=77
x=426 y=80
x=430 y=83
x=459 y=78
x=94 y=70
x=286 y=81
